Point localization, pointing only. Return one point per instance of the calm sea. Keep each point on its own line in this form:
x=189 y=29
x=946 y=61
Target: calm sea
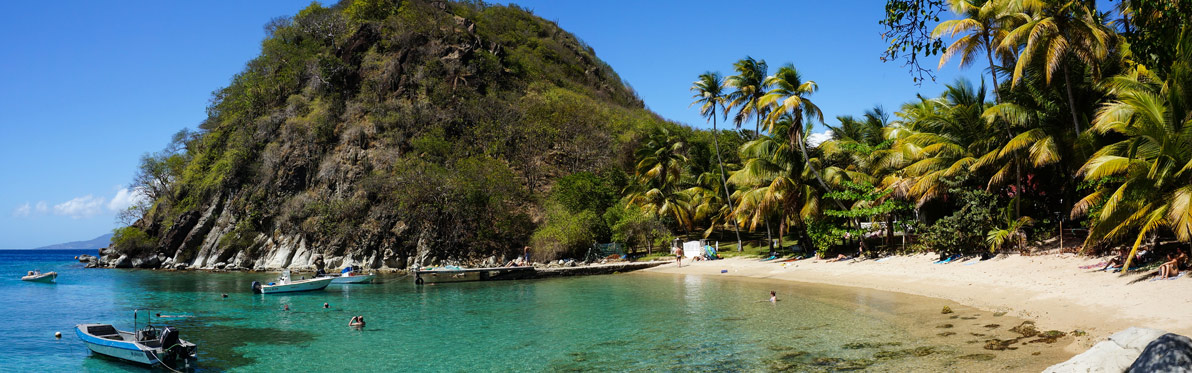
x=627 y=322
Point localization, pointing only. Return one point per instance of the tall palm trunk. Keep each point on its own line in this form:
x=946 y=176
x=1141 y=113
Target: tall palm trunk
x=1071 y=100
x=797 y=137
x=997 y=94
x=781 y=232
x=724 y=182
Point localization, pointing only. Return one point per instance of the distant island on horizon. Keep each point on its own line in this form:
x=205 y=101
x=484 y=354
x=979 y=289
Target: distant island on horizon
x=93 y=244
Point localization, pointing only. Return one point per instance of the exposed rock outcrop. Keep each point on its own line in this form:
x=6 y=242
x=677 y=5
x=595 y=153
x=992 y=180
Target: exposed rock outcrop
x=1115 y=354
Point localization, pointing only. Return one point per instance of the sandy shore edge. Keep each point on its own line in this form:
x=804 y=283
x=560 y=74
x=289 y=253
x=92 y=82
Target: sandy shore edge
x=1052 y=290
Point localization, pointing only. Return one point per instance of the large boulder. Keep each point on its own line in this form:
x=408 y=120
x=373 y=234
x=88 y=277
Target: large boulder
x=1168 y=353
x=122 y=262
x=1115 y=354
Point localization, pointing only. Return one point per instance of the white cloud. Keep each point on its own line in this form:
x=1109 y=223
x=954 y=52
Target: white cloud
x=817 y=138
x=28 y=209
x=22 y=210
x=124 y=198
x=81 y=207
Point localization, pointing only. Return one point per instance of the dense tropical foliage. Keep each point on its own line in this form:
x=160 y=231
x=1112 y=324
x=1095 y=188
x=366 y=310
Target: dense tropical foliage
x=464 y=130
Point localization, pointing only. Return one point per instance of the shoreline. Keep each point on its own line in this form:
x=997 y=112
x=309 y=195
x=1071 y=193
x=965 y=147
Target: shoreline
x=1049 y=289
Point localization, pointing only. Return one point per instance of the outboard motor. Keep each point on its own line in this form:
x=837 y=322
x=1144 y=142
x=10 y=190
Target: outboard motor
x=171 y=344
x=256 y=287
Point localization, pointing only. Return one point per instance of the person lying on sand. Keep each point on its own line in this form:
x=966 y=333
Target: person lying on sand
x=839 y=258
x=1117 y=261
x=1171 y=267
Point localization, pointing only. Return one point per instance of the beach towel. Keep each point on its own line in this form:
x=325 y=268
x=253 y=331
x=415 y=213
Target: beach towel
x=884 y=259
x=1091 y=266
x=949 y=260
x=1169 y=278
x=772 y=257
x=969 y=264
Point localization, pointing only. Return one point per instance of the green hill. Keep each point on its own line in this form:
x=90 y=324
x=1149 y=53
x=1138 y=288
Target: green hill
x=386 y=134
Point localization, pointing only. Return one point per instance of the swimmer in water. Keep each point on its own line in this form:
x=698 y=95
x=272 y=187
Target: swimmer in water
x=326 y=305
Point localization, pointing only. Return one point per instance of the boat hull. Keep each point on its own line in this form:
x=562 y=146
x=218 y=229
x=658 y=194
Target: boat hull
x=124 y=350
x=357 y=279
x=474 y=274
x=297 y=286
x=43 y=278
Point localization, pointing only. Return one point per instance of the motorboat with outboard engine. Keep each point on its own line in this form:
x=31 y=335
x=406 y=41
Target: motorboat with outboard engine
x=37 y=276
x=148 y=345
x=351 y=275
x=285 y=285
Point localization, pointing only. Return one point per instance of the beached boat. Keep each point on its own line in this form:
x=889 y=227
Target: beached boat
x=148 y=345
x=285 y=285
x=352 y=275
x=37 y=276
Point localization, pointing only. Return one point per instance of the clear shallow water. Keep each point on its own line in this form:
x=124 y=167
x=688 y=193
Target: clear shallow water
x=625 y=322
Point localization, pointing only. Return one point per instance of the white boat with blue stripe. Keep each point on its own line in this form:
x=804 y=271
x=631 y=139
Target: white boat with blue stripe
x=148 y=345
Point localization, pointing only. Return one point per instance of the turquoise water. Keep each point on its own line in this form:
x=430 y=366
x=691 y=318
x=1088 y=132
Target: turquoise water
x=627 y=322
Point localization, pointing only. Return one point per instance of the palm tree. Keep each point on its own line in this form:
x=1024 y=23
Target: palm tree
x=1153 y=161
x=789 y=102
x=710 y=97
x=750 y=84
x=775 y=179
x=1056 y=31
x=658 y=173
x=983 y=32
x=939 y=140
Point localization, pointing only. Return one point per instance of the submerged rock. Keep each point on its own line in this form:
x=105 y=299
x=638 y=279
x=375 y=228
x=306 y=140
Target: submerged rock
x=1168 y=353
x=1026 y=329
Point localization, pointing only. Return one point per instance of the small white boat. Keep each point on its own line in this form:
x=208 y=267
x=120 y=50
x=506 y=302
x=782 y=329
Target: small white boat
x=148 y=345
x=37 y=276
x=352 y=275
x=285 y=285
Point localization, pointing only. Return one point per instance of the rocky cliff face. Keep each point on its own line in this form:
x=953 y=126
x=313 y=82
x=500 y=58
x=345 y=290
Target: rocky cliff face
x=385 y=135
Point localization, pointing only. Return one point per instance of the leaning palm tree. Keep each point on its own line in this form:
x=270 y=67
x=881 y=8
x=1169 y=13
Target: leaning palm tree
x=1052 y=33
x=1153 y=161
x=982 y=29
x=709 y=95
x=750 y=85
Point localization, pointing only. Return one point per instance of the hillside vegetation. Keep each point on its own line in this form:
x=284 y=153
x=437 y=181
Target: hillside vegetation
x=382 y=133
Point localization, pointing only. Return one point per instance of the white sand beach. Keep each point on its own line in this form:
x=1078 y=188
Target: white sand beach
x=1051 y=289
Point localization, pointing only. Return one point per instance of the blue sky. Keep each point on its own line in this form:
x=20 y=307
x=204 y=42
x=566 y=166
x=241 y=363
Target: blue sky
x=87 y=87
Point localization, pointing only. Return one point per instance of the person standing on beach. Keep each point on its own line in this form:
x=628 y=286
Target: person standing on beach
x=526 y=256
x=678 y=254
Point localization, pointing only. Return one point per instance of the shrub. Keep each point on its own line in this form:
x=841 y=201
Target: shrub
x=963 y=232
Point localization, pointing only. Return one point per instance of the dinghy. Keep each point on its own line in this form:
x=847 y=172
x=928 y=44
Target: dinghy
x=285 y=285
x=148 y=345
x=37 y=276
x=352 y=275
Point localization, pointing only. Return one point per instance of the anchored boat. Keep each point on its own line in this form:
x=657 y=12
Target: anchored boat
x=285 y=285
x=147 y=345
x=352 y=275
x=37 y=276
x=456 y=274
